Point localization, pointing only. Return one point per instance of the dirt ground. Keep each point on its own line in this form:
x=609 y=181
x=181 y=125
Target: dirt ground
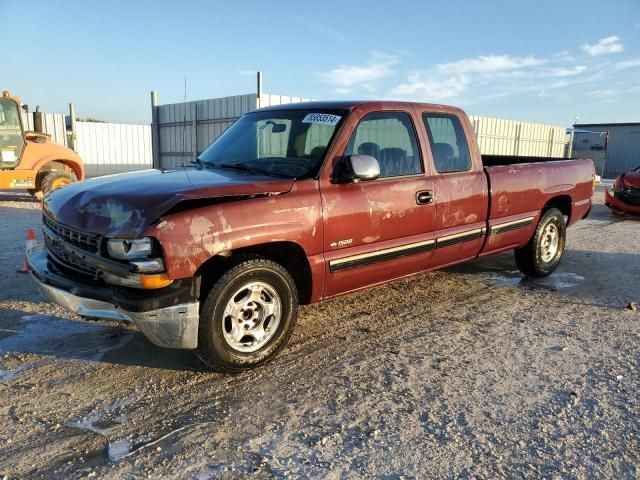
x=472 y=372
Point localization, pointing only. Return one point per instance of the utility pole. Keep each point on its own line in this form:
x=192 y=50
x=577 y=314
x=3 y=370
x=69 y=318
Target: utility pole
x=155 y=130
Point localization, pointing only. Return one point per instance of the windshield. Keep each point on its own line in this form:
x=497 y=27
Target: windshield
x=11 y=139
x=290 y=143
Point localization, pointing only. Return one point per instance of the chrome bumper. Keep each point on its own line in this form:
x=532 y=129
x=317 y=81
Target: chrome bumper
x=170 y=327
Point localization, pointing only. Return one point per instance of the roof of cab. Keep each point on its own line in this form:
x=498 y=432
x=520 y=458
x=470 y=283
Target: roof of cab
x=350 y=104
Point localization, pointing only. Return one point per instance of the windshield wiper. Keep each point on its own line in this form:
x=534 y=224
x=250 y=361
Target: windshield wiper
x=198 y=161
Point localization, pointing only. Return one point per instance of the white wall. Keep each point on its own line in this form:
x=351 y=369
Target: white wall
x=107 y=148
x=497 y=136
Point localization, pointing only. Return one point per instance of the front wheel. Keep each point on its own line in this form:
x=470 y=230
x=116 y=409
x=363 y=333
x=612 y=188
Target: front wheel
x=248 y=316
x=542 y=254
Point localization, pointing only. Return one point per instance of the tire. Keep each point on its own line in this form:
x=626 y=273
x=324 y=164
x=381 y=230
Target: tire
x=52 y=180
x=230 y=338
x=538 y=258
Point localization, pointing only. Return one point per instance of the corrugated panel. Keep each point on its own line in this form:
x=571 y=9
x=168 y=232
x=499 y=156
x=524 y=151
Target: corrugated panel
x=52 y=123
x=511 y=137
x=268 y=100
x=623 y=148
x=187 y=129
x=27 y=120
x=107 y=148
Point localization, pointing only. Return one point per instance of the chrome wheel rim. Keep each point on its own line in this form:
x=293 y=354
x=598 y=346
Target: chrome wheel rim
x=251 y=317
x=550 y=242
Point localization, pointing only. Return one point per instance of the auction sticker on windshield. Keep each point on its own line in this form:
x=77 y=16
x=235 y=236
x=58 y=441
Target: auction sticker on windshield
x=322 y=118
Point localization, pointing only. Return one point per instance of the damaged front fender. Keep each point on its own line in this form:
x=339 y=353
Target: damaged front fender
x=125 y=205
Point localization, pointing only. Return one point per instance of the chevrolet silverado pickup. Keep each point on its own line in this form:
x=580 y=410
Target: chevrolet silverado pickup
x=292 y=205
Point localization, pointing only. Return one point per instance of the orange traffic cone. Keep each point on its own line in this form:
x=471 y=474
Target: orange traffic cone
x=31 y=242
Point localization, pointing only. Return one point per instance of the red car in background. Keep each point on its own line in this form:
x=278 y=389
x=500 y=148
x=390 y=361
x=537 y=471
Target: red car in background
x=625 y=199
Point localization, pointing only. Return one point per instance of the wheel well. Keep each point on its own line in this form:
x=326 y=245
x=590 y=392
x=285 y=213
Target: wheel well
x=58 y=166
x=288 y=254
x=562 y=203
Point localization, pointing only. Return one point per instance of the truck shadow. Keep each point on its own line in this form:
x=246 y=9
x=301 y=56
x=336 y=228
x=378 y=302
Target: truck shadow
x=609 y=279
x=600 y=279
x=93 y=341
x=19 y=196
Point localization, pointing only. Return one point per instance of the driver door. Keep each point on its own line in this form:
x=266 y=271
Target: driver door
x=381 y=229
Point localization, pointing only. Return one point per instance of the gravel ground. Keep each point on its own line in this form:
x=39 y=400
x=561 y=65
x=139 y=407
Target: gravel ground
x=469 y=372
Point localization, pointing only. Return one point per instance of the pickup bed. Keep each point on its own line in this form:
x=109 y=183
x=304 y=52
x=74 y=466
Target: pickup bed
x=292 y=205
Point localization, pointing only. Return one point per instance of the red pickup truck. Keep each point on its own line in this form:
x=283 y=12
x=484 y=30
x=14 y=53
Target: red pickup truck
x=291 y=205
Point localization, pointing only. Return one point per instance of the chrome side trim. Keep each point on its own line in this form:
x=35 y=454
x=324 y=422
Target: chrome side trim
x=379 y=255
x=513 y=225
x=170 y=327
x=441 y=242
x=449 y=240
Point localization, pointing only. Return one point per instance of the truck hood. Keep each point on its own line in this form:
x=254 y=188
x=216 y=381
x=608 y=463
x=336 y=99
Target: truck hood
x=631 y=179
x=125 y=205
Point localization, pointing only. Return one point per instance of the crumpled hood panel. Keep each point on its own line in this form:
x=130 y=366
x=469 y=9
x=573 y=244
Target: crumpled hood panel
x=632 y=179
x=125 y=205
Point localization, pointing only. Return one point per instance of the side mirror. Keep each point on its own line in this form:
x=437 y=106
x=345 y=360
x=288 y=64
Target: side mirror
x=357 y=168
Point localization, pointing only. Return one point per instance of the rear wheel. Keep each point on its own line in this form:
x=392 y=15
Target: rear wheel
x=542 y=254
x=51 y=181
x=247 y=316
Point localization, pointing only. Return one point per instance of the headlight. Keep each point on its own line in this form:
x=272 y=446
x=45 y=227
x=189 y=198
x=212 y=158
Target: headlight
x=129 y=249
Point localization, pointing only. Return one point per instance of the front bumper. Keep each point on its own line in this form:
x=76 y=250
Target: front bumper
x=619 y=207
x=170 y=326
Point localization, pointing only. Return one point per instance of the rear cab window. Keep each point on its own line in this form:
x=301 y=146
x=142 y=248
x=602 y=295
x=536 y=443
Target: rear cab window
x=448 y=142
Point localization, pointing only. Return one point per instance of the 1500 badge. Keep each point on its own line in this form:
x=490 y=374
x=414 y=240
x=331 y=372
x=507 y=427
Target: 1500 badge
x=341 y=243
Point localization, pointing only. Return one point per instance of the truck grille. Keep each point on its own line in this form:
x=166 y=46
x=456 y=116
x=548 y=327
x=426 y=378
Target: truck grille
x=81 y=240
x=70 y=262
x=56 y=236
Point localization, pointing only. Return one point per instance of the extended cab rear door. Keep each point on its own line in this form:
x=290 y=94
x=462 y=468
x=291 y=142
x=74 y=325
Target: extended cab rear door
x=461 y=197
x=381 y=229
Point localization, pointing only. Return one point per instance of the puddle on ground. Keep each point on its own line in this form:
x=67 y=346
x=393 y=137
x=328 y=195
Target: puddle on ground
x=62 y=337
x=10 y=374
x=101 y=422
x=555 y=281
x=117 y=448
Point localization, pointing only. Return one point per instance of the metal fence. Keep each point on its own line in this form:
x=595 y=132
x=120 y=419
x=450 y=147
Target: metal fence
x=184 y=130
x=511 y=137
x=614 y=148
x=52 y=123
x=107 y=148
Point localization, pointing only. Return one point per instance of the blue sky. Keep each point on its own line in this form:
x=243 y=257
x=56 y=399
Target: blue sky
x=537 y=60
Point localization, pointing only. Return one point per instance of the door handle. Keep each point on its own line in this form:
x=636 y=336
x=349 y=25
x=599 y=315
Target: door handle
x=425 y=197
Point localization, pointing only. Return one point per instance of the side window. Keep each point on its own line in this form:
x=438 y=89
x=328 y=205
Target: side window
x=448 y=142
x=390 y=138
